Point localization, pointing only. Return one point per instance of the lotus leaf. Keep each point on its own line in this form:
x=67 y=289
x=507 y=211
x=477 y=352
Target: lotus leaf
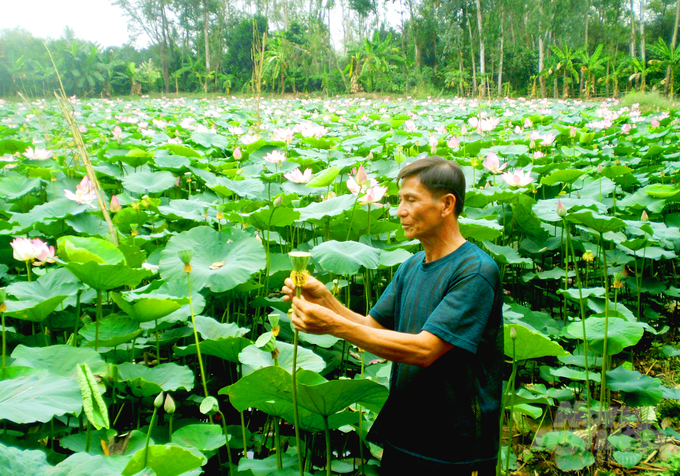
x=221 y=260
x=345 y=257
x=639 y=390
x=201 y=436
x=620 y=334
x=306 y=359
x=165 y=460
x=59 y=360
x=18 y=462
x=530 y=344
x=146 y=381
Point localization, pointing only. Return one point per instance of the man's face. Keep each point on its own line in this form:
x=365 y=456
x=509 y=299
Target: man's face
x=419 y=211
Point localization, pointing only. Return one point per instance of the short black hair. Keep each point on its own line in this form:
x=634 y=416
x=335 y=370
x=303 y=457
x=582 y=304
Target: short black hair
x=439 y=176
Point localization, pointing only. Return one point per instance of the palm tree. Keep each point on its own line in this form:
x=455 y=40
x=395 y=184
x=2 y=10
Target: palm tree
x=668 y=58
x=377 y=55
x=640 y=71
x=276 y=60
x=566 y=57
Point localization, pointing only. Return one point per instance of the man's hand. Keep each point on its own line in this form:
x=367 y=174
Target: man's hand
x=313 y=318
x=313 y=291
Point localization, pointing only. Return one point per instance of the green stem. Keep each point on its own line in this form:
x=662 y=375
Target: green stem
x=198 y=347
x=75 y=327
x=170 y=427
x=327 y=434
x=277 y=442
x=351 y=220
x=158 y=345
x=148 y=436
x=511 y=383
x=4 y=339
x=99 y=318
x=28 y=271
x=243 y=432
x=512 y=409
x=296 y=413
x=226 y=437
x=88 y=437
x=603 y=384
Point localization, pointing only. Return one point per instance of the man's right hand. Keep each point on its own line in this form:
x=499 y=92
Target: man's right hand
x=313 y=291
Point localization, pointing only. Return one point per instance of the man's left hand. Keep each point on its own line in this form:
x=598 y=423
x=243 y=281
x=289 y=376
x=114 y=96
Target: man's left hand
x=312 y=318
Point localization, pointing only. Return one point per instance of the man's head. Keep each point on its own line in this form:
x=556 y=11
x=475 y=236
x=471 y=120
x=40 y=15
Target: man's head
x=440 y=177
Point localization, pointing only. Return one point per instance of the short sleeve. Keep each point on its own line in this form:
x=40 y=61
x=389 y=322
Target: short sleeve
x=460 y=318
x=384 y=310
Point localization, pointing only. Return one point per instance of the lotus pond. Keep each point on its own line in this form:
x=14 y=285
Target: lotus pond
x=143 y=325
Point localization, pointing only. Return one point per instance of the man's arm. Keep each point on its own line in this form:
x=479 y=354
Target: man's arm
x=421 y=349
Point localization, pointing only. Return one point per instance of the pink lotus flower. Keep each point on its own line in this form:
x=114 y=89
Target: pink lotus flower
x=37 y=153
x=360 y=180
x=237 y=153
x=493 y=163
x=25 y=249
x=518 y=130
x=644 y=216
x=275 y=157
x=528 y=123
x=82 y=129
x=373 y=194
x=538 y=154
x=84 y=193
x=237 y=131
x=410 y=125
x=433 y=144
x=115 y=205
x=117 y=133
x=463 y=130
x=655 y=123
x=248 y=139
x=47 y=255
x=518 y=178
x=285 y=135
x=299 y=177
x=572 y=132
x=625 y=129
x=453 y=143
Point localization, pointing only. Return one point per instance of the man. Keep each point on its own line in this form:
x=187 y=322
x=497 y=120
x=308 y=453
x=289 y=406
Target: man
x=440 y=322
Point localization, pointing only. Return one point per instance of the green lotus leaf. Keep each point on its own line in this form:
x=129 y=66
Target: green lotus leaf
x=105 y=277
x=227 y=348
x=84 y=464
x=639 y=390
x=209 y=139
x=266 y=218
x=136 y=157
x=530 y=344
x=34 y=310
x=185 y=209
x=620 y=334
x=148 y=309
x=59 y=360
x=200 y=436
x=144 y=183
x=38 y=397
x=594 y=221
x=614 y=171
x=562 y=176
x=210 y=328
x=661 y=191
x=306 y=359
x=345 y=257
x=251 y=189
x=328 y=208
x=576 y=375
x=18 y=462
x=268 y=466
x=506 y=254
x=221 y=260
x=621 y=442
x=179 y=150
x=48 y=213
x=480 y=230
x=16 y=186
x=628 y=459
x=546 y=210
x=75 y=249
x=172 y=162
x=165 y=460
x=147 y=381
x=324 y=178
x=88 y=224
x=113 y=331
x=390 y=258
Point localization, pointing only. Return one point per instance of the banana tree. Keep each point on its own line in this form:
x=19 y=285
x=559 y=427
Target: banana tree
x=640 y=71
x=668 y=58
x=566 y=57
x=591 y=64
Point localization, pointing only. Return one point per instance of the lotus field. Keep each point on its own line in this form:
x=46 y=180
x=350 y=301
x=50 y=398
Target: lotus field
x=143 y=324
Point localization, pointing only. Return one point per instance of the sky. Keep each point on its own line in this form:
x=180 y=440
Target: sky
x=94 y=20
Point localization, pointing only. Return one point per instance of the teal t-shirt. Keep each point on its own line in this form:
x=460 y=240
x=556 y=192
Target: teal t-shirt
x=449 y=411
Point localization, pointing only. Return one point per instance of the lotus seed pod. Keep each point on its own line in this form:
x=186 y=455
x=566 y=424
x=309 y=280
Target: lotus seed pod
x=169 y=405
x=185 y=256
x=266 y=342
x=209 y=406
x=299 y=260
x=158 y=402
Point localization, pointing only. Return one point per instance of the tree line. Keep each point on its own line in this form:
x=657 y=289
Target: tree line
x=485 y=48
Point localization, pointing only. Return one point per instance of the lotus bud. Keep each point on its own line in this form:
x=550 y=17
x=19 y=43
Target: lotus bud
x=561 y=209
x=278 y=201
x=169 y=405
x=513 y=333
x=369 y=156
x=299 y=260
x=572 y=132
x=644 y=216
x=158 y=402
x=186 y=255
x=599 y=168
x=237 y=153
x=3 y=306
x=115 y=205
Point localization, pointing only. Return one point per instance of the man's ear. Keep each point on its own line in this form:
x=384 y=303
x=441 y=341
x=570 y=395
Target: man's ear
x=449 y=204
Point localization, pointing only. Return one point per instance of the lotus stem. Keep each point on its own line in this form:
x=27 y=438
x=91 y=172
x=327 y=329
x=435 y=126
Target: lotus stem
x=327 y=434
x=512 y=409
x=603 y=384
x=226 y=437
x=148 y=434
x=243 y=431
x=4 y=339
x=198 y=347
x=28 y=271
x=75 y=327
x=277 y=442
x=99 y=318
